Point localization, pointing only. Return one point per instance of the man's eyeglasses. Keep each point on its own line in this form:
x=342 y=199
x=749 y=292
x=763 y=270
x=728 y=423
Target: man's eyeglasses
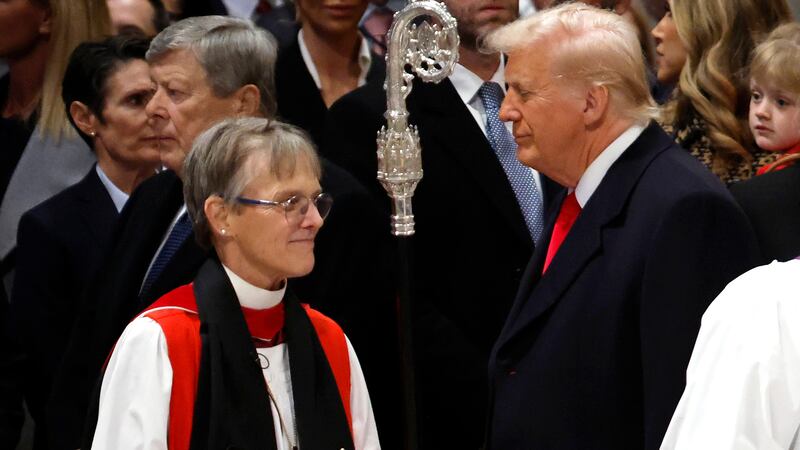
x=295 y=207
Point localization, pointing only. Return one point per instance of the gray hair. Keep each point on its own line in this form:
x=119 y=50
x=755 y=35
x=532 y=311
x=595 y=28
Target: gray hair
x=228 y=156
x=233 y=52
x=590 y=45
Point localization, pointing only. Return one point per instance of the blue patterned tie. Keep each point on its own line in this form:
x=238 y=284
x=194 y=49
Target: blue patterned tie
x=179 y=233
x=520 y=177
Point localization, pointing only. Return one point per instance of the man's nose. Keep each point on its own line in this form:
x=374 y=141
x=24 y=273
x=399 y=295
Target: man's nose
x=155 y=107
x=508 y=111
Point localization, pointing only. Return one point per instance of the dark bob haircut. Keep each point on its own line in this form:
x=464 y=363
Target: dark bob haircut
x=90 y=66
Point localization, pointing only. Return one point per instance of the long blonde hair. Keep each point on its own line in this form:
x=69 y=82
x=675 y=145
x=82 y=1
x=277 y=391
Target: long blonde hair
x=73 y=22
x=718 y=36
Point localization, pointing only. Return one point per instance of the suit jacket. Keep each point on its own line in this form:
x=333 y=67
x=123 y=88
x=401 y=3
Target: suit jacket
x=281 y=23
x=772 y=203
x=299 y=100
x=47 y=166
x=594 y=352
x=470 y=247
x=59 y=243
x=112 y=299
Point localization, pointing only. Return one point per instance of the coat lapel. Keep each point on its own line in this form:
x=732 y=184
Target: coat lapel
x=442 y=113
x=585 y=240
x=99 y=213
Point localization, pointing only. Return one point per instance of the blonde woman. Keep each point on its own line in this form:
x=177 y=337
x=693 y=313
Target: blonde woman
x=704 y=46
x=41 y=153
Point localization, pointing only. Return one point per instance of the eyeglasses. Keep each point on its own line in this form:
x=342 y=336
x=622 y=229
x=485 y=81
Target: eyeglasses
x=295 y=207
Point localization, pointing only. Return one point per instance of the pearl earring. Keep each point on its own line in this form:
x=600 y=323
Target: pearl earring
x=92 y=134
x=222 y=231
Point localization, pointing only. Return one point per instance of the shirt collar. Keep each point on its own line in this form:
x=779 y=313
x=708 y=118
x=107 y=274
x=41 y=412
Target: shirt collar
x=467 y=83
x=364 y=60
x=597 y=170
x=240 y=8
x=251 y=296
x=118 y=196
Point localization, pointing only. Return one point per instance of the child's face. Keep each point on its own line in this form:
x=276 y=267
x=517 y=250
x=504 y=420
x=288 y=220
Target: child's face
x=774 y=117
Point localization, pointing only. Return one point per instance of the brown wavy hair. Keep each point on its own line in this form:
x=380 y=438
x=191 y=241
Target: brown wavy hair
x=719 y=36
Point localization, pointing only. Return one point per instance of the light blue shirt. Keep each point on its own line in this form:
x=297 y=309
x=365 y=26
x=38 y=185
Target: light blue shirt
x=118 y=196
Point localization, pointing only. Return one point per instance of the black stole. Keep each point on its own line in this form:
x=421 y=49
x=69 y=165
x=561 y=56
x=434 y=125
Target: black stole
x=232 y=408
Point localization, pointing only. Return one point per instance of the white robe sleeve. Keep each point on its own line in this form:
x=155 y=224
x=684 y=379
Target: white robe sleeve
x=135 y=393
x=743 y=380
x=365 y=432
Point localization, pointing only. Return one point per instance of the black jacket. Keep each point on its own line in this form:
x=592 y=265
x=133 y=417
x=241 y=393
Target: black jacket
x=470 y=248
x=772 y=203
x=594 y=352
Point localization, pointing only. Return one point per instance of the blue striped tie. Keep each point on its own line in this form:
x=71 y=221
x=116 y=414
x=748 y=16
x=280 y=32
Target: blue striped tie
x=520 y=177
x=179 y=233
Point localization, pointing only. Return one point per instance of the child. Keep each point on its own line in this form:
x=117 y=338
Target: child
x=772 y=200
x=775 y=93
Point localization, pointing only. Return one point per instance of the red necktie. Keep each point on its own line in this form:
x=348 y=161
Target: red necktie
x=566 y=217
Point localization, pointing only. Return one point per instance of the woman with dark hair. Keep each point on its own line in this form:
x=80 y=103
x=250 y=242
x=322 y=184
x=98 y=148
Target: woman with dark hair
x=105 y=89
x=233 y=360
x=328 y=59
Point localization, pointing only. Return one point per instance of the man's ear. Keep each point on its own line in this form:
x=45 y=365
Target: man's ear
x=217 y=213
x=249 y=98
x=84 y=119
x=622 y=6
x=595 y=104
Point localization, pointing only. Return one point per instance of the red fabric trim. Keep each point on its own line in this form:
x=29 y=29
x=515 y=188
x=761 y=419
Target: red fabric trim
x=334 y=345
x=264 y=323
x=182 y=333
x=762 y=170
x=181 y=297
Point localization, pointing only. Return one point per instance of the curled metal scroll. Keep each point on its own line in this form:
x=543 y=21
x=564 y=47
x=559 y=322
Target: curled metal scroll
x=428 y=50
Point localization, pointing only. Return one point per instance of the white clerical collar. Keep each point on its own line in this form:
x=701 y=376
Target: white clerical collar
x=251 y=296
x=364 y=60
x=118 y=196
x=467 y=83
x=596 y=171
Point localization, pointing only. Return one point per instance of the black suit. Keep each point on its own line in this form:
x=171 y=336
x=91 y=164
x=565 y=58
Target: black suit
x=593 y=354
x=113 y=299
x=299 y=100
x=59 y=243
x=772 y=203
x=281 y=23
x=470 y=247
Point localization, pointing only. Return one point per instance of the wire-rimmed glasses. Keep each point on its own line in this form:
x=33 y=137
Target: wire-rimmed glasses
x=295 y=207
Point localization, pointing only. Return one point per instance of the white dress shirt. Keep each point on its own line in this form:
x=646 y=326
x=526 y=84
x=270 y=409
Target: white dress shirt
x=364 y=60
x=598 y=168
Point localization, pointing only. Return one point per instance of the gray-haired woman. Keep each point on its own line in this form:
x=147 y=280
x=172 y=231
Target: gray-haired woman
x=233 y=360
